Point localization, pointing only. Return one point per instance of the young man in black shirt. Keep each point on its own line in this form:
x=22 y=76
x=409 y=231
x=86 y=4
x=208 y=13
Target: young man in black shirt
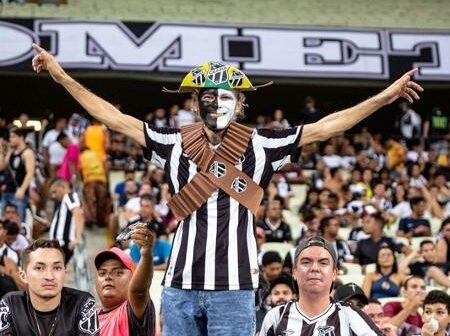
x=47 y=308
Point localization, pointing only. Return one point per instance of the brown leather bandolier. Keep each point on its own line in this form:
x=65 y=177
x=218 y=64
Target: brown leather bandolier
x=217 y=170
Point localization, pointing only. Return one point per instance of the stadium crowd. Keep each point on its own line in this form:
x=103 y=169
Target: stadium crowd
x=383 y=202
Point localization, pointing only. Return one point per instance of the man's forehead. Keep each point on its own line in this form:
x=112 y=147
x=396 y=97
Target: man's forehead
x=315 y=252
x=112 y=263
x=435 y=306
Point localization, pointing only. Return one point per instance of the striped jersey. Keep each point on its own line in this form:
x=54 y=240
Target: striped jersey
x=215 y=247
x=63 y=223
x=338 y=319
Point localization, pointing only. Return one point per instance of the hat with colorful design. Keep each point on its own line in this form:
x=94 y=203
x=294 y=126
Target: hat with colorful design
x=216 y=75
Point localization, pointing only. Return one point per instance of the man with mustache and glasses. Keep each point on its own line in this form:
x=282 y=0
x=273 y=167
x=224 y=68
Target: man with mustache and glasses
x=46 y=307
x=217 y=171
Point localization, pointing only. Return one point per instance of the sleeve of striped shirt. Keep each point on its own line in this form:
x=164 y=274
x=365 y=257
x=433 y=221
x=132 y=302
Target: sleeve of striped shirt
x=270 y=322
x=72 y=200
x=281 y=146
x=360 y=323
x=159 y=142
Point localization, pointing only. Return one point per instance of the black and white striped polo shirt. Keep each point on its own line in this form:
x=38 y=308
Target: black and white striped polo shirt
x=63 y=224
x=339 y=319
x=215 y=247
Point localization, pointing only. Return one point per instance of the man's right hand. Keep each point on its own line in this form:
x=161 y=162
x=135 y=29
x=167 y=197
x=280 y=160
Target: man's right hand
x=46 y=61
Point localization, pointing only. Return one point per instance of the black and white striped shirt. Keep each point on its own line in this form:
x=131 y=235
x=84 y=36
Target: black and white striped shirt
x=215 y=247
x=7 y=251
x=63 y=224
x=339 y=319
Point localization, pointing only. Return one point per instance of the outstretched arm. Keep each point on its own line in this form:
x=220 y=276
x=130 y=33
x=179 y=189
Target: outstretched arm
x=97 y=107
x=343 y=120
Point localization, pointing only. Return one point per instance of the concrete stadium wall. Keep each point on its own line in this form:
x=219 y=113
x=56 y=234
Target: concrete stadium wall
x=432 y=14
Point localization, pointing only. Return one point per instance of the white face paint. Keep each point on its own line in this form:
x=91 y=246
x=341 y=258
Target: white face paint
x=226 y=102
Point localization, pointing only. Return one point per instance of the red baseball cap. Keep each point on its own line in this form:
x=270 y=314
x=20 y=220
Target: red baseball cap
x=114 y=253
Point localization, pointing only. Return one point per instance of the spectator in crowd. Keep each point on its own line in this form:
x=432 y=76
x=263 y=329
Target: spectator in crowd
x=133 y=205
x=410 y=124
x=28 y=131
x=123 y=289
x=95 y=192
x=386 y=280
x=416 y=178
x=271 y=267
x=404 y=315
x=395 y=156
x=415 y=225
x=443 y=244
x=19 y=162
x=401 y=207
x=281 y=291
x=310 y=113
x=10 y=279
x=331 y=159
x=96 y=138
x=436 y=314
x=278 y=120
x=329 y=228
x=374 y=310
x=14 y=238
x=428 y=268
x=366 y=249
x=351 y=292
x=161 y=247
x=11 y=213
x=75 y=128
x=56 y=153
x=185 y=116
x=67 y=225
x=275 y=228
x=315 y=271
x=436 y=130
x=50 y=138
x=46 y=307
x=70 y=165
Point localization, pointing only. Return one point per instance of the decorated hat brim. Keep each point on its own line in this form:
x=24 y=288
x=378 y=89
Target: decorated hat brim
x=186 y=89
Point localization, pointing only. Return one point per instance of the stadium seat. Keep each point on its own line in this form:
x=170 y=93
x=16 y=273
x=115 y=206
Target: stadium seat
x=435 y=225
x=403 y=240
x=281 y=248
x=293 y=221
x=355 y=278
x=344 y=232
x=370 y=268
x=415 y=241
x=352 y=268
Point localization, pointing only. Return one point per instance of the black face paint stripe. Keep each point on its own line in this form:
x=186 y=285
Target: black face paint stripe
x=206 y=107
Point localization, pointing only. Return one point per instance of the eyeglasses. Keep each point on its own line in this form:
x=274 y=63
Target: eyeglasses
x=114 y=273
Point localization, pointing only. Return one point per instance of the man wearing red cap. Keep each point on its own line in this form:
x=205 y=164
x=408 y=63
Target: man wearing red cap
x=217 y=171
x=123 y=289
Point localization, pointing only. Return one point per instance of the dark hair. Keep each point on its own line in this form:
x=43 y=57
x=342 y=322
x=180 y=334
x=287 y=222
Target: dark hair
x=378 y=218
x=437 y=296
x=324 y=222
x=271 y=257
x=61 y=136
x=405 y=284
x=19 y=131
x=413 y=201
x=12 y=228
x=394 y=266
x=424 y=242
x=146 y=197
x=11 y=205
x=444 y=223
x=39 y=243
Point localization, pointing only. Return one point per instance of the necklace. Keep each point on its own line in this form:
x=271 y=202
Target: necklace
x=53 y=325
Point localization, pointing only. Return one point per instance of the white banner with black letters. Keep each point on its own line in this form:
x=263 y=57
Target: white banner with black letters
x=295 y=52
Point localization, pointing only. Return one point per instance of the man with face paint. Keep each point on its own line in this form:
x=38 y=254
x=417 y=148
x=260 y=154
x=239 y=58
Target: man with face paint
x=213 y=269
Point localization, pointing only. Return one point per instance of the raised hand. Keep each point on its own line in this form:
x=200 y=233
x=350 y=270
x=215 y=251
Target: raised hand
x=46 y=61
x=403 y=87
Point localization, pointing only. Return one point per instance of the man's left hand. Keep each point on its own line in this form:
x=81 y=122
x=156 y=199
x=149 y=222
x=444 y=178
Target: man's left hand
x=19 y=194
x=403 y=87
x=144 y=237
